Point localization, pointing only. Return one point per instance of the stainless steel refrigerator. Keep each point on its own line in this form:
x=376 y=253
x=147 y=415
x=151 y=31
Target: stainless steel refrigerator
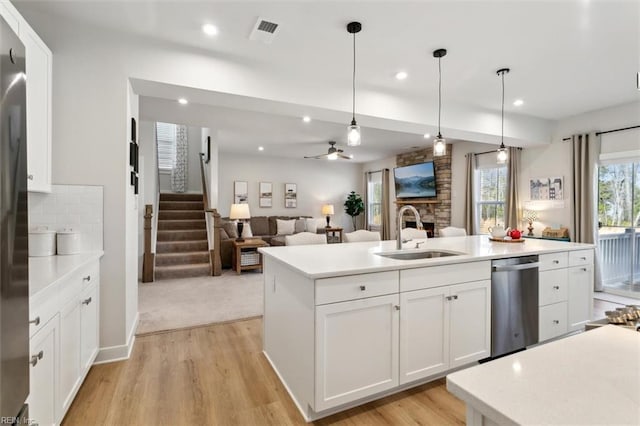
x=14 y=236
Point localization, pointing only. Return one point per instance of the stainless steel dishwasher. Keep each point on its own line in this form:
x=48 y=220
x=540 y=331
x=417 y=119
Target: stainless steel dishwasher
x=514 y=304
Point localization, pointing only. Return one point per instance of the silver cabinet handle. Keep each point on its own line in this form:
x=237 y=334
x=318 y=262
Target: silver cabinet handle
x=35 y=321
x=583 y=258
x=556 y=262
x=556 y=287
x=36 y=358
x=30 y=177
x=556 y=322
x=87 y=278
x=584 y=269
x=363 y=288
x=397 y=307
x=86 y=301
x=454 y=297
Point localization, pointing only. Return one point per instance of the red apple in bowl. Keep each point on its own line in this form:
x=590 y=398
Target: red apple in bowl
x=515 y=234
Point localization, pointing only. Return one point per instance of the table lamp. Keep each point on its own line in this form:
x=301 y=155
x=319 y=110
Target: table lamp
x=239 y=212
x=327 y=210
x=530 y=216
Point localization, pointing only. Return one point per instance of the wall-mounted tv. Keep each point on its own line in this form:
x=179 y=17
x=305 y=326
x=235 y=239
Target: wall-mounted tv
x=415 y=181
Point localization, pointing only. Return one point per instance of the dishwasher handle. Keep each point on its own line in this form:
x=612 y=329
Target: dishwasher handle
x=520 y=267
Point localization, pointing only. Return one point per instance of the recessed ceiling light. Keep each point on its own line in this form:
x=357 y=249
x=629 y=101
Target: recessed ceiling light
x=401 y=75
x=210 y=30
x=518 y=102
x=183 y=101
x=427 y=135
x=261 y=148
x=306 y=119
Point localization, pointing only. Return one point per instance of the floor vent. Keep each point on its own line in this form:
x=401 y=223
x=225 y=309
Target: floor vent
x=264 y=31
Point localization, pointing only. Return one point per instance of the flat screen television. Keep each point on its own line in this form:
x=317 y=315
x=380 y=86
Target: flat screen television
x=415 y=181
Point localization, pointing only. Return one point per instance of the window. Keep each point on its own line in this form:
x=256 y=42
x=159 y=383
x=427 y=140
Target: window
x=490 y=196
x=619 y=195
x=374 y=201
x=166 y=140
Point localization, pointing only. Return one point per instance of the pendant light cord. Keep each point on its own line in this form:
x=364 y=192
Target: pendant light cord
x=353 y=86
x=502 y=134
x=439 y=93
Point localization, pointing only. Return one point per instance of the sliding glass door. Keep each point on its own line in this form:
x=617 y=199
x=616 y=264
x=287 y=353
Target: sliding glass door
x=619 y=227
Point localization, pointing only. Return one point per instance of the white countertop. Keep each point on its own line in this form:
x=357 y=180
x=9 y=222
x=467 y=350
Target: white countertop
x=47 y=270
x=330 y=260
x=590 y=378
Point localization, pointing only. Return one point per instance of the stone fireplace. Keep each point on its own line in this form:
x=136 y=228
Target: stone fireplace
x=436 y=212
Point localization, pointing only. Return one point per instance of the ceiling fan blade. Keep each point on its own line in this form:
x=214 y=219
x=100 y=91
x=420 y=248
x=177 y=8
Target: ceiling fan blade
x=340 y=151
x=316 y=157
x=346 y=157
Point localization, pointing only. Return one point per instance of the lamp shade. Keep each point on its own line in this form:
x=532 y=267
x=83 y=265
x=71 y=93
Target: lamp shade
x=239 y=211
x=327 y=209
x=530 y=215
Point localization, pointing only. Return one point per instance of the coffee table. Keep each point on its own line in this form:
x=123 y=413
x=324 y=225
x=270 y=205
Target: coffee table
x=247 y=249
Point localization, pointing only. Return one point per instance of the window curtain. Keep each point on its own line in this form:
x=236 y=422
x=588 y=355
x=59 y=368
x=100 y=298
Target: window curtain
x=179 y=172
x=385 y=232
x=365 y=200
x=469 y=202
x=512 y=201
x=585 y=151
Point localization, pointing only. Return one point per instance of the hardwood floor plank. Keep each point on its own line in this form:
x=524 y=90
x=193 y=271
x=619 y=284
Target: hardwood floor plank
x=217 y=375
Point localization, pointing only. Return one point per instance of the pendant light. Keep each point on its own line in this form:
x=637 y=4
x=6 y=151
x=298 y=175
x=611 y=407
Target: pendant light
x=353 y=131
x=502 y=151
x=439 y=143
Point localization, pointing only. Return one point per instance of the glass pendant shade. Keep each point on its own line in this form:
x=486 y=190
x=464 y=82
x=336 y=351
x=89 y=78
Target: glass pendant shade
x=502 y=154
x=439 y=146
x=353 y=134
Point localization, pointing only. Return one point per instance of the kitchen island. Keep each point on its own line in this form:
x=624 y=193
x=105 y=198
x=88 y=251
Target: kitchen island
x=345 y=323
x=591 y=378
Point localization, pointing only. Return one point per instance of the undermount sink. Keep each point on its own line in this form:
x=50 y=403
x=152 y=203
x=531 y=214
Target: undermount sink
x=425 y=254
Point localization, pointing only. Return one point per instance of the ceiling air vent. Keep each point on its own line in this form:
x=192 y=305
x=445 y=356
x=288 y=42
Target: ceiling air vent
x=264 y=31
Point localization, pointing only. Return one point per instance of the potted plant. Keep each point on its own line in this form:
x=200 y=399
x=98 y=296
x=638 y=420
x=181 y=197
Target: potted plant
x=354 y=207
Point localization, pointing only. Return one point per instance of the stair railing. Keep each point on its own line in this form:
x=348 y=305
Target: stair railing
x=213 y=224
x=148 y=259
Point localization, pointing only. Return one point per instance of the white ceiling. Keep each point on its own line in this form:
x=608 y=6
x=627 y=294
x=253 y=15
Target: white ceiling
x=567 y=57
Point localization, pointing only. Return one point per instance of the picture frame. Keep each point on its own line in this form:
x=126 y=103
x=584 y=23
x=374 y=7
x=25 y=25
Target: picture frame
x=546 y=188
x=208 y=150
x=133 y=178
x=134 y=130
x=135 y=186
x=240 y=192
x=265 y=195
x=290 y=195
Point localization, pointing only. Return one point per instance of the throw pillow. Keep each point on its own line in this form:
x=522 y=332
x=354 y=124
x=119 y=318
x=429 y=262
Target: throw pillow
x=231 y=229
x=286 y=227
x=246 y=230
x=311 y=225
x=300 y=226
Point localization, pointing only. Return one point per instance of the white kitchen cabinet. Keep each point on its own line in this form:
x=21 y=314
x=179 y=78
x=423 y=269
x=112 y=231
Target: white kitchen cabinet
x=356 y=349
x=424 y=333
x=43 y=347
x=89 y=315
x=69 y=352
x=470 y=322
x=580 y=301
x=552 y=321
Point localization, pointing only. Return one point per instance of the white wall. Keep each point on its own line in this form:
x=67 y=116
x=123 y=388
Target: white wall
x=318 y=182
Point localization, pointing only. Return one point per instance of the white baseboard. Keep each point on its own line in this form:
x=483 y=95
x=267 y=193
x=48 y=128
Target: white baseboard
x=120 y=352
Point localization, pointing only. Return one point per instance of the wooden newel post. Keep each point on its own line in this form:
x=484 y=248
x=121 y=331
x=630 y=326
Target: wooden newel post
x=148 y=258
x=216 y=270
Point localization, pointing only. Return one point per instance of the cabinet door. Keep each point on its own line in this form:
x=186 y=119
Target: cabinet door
x=89 y=327
x=42 y=379
x=552 y=321
x=580 y=302
x=69 y=353
x=356 y=349
x=424 y=333
x=39 y=70
x=470 y=322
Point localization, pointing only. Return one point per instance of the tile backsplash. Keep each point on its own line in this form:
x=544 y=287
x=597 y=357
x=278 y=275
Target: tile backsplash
x=70 y=206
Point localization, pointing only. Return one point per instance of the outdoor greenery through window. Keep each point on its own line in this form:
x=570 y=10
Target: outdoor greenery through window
x=166 y=141
x=619 y=195
x=490 y=196
x=374 y=201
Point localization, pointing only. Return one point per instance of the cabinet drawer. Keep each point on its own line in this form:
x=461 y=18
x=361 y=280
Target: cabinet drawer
x=42 y=307
x=553 y=261
x=553 y=286
x=436 y=276
x=79 y=280
x=339 y=289
x=552 y=321
x=580 y=257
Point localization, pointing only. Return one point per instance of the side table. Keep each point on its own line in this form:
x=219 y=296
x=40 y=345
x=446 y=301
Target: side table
x=246 y=255
x=334 y=235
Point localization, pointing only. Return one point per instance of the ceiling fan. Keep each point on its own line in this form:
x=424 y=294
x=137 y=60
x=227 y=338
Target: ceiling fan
x=333 y=153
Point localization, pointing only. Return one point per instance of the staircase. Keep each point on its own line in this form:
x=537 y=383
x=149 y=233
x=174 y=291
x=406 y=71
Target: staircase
x=182 y=250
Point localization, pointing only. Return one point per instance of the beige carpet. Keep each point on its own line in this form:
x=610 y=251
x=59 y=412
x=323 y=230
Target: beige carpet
x=188 y=302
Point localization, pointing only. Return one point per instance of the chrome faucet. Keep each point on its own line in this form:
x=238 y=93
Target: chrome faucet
x=400 y=213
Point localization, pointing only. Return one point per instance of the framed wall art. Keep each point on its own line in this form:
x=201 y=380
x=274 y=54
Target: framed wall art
x=266 y=194
x=240 y=192
x=548 y=188
x=290 y=195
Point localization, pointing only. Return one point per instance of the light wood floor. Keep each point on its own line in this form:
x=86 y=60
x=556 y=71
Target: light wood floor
x=217 y=375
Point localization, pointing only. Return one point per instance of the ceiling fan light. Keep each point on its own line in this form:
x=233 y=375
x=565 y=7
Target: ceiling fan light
x=353 y=134
x=439 y=146
x=332 y=156
x=502 y=154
